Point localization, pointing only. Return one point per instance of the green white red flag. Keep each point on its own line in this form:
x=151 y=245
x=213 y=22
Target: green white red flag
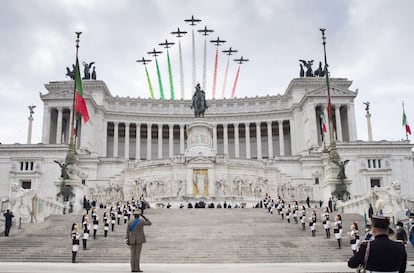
x=405 y=124
x=324 y=128
x=80 y=104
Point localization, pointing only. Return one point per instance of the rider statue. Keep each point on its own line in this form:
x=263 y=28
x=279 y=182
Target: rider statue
x=199 y=102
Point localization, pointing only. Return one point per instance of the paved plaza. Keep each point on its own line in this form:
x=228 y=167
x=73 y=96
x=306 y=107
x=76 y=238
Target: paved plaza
x=177 y=268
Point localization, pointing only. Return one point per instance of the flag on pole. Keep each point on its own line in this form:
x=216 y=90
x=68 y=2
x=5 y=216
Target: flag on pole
x=405 y=123
x=324 y=128
x=80 y=104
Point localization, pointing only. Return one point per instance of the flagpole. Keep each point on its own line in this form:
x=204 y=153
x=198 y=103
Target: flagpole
x=70 y=157
x=332 y=147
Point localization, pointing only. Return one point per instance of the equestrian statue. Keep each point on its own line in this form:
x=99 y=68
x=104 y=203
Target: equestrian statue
x=199 y=102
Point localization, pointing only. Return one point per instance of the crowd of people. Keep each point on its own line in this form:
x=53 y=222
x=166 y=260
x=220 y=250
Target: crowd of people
x=90 y=223
x=370 y=252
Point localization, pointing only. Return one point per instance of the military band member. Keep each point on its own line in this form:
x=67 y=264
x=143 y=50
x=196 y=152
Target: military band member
x=325 y=222
x=380 y=254
x=95 y=222
x=312 y=223
x=303 y=217
x=106 y=227
x=75 y=241
x=354 y=237
x=337 y=228
x=119 y=215
x=112 y=213
x=86 y=229
x=295 y=211
x=288 y=213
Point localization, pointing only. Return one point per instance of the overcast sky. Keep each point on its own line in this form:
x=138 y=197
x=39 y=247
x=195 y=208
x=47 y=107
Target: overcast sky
x=368 y=42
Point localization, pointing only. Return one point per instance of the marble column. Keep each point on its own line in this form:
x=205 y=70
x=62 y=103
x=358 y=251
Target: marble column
x=259 y=140
x=247 y=133
x=171 y=140
x=138 y=143
x=159 y=140
x=338 y=122
x=149 y=141
x=292 y=137
x=104 y=138
x=59 y=126
x=46 y=125
x=351 y=122
x=281 y=138
x=236 y=141
x=126 y=155
x=226 y=139
x=269 y=139
x=181 y=138
x=215 y=137
x=116 y=126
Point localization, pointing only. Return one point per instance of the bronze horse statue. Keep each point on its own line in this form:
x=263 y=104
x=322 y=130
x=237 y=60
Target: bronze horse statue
x=199 y=102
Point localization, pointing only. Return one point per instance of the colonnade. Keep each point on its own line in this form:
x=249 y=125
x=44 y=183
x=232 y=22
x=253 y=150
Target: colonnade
x=251 y=140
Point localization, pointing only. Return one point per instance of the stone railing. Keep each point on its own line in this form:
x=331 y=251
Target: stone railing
x=358 y=205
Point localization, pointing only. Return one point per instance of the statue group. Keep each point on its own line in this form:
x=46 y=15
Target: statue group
x=320 y=72
x=199 y=102
x=87 y=75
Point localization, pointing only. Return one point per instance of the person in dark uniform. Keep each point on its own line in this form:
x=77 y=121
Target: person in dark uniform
x=8 y=219
x=135 y=237
x=383 y=254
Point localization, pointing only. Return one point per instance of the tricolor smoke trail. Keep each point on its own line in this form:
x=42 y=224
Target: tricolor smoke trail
x=233 y=92
x=225 y=78
x=149 y=83
x=159 y=80
x=178 y=34
x=172 y=96
x=215 y=74
x=217 y=42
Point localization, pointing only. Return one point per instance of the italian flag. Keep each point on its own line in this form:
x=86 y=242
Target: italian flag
x=405 y=123
x=80 y=104
x=324 y=129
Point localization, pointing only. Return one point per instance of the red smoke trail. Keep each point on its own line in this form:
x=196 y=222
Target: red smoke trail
x=225 y=78
x=235 y=82
x=215 y=74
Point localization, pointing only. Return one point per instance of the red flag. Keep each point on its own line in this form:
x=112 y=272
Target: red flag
x=80 y=104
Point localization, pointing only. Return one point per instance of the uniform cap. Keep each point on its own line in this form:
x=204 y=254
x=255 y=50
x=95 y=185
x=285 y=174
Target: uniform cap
x=137 y=213
x=380 y=222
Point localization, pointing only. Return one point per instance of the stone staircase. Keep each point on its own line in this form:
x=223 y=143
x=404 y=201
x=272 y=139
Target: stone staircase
x=185 y=236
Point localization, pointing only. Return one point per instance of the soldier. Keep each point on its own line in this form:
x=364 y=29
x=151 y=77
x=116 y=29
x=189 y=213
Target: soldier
x=337 y=228
x=75 y=241
x=86 y=229
x=135 y=237
x=303 y=217
x=380 y=254
x=354 y=237
x=325 y=222
x=95 y=222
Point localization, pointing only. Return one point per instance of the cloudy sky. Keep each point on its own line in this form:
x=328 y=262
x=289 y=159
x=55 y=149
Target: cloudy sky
x=369 y=42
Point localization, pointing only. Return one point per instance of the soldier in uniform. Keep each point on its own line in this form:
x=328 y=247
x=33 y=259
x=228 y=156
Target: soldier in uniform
x=75 y=241
x=135 y=237
x=380 y=254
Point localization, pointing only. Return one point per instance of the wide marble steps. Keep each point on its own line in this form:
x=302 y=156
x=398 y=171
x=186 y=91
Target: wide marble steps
x=185 y=236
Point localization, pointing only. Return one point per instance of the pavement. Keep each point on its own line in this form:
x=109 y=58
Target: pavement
x=12 y=267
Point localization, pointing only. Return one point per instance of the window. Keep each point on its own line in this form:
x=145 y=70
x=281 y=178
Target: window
x=316 y=180
x=27 y=185
x=375 y=182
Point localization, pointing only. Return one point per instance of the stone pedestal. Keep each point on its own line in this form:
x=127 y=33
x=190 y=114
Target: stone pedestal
x=199 y=139
x=332 y=186
x=77 y=188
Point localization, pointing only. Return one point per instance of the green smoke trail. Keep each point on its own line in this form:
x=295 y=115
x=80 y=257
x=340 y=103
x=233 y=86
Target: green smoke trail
x=159 y=80
x=149 y=83
x=170 y=75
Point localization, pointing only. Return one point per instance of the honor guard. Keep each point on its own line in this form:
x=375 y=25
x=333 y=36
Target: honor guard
x=380 y=254
x=112 y=213
x=325 y=222
x=303 y=217
x=95 y=222
x=86 y=228
x=75 y=241
x=337 y=228
x=354 y=237
x=312 y=223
